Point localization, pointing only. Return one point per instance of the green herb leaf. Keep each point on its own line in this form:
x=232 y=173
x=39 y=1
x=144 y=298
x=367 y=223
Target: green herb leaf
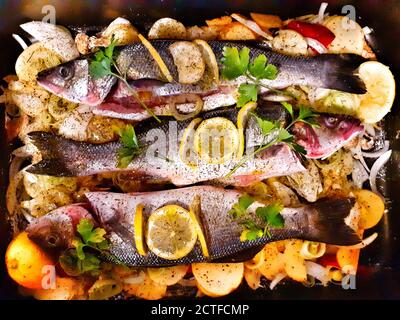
x=253 y=234
x=288 y=107
x=240 y=207
x=98 y=70
x=266 y=126
x=284 y=135
x=298 y=148
x=130 y=145
x=247 y=92
x=271 y=215
x=234 y=63
x=259 y=69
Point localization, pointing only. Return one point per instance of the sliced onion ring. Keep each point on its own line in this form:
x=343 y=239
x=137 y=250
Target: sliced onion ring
x=253 y=26
x=316 y=45
x=278 y=278
x=378 y=164
x=188 y=97
x=365 y=242
x=21 y=41
x=378 y=153
x=318 y=272
x=321 y=12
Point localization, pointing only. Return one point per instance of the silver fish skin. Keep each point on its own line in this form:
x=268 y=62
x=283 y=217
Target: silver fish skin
x=160 y=159
x=323 y=221
x=72 y=80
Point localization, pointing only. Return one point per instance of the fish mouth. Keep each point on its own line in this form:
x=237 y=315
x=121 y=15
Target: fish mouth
x=43 y=81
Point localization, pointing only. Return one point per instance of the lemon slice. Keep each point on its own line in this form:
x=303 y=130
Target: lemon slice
x=209 y=58
x=156 y=56
x=138 y=230
x=216 y=140
x=186 y=152
x=242 y=118
x=195 y=209
x=381 y=88
x=171 y=233
x=34 y=59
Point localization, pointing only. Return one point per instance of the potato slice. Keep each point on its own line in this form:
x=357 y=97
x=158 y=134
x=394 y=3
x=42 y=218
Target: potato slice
x=218 y=279
x=253 y=278
x=167 y=276
x=34 y=59
x=66 y=289
x=348 y=257
x=148 y=289
x=349 y=36
x=204 y=33
x=236 y=31
x=290 y=42
x=374 y=208
x=266 y=21
x=53 y=37
x=219 y=22
x=167 y=28
x=188 y=60
x=273 y=261
x=122 y=31
x=294 y=264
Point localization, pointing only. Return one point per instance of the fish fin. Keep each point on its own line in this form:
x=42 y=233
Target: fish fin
x=52 y=149
x=327 y=222
x=340 y=72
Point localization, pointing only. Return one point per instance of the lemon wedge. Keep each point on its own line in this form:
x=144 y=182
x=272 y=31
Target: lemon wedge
x=138 y=230
x=209 y=58
x=171 y=233
x=216 y=140
x=156 y=56
x=195 y=209
x=381 y=88
x=242 y=118
x=186 y=152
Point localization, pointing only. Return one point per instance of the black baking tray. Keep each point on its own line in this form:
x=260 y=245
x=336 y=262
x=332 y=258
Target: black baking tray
x=379 y=271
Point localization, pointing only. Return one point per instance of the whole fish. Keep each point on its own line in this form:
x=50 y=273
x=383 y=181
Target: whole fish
x=160 y=159
x=73 y=82
x=322 y=221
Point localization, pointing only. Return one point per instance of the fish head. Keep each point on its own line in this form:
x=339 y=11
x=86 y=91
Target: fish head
x=72 y=81
x=56 y=230
x=333 y=132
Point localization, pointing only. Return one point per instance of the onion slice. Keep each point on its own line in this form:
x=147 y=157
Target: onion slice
x=253 y=26
x=378 y=153
x=316 y=45
x=359 y=175
x=321 y=13
x=135 y=279
x=21 y=41
x=278 y=278
x=189 y=97
x=318 y=272
x=376 y=167
x=365 y=242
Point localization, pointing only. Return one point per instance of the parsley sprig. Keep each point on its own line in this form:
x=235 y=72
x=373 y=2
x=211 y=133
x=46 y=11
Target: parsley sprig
x=104 y=64
x=130 y=145
x=269 y=217
x=79 y=260
x=273 y=133
x=236 y=63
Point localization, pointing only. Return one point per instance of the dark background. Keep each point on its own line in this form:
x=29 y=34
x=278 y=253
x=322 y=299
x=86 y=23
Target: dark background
x=379 y=271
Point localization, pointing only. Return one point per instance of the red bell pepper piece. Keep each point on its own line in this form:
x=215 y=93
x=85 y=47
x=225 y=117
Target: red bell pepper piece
x=313 y=30
x=329 y=260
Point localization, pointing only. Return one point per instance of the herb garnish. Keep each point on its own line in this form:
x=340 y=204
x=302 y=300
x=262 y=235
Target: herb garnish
x=268 y=215
x=78 y=260
x=237 y=63
x=103 y=65
x=273 y=133
x=130 y=145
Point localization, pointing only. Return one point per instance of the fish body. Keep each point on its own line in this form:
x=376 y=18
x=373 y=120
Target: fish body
x=160 y=159
x=322 y=222
x=73 y=82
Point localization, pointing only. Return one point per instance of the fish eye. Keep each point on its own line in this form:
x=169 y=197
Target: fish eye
x=65 y=72
x=52 y=240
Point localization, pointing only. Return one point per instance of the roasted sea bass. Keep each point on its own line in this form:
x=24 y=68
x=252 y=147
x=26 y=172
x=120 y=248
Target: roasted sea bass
x=72 y=80
x=192 y=151
x=166 y=218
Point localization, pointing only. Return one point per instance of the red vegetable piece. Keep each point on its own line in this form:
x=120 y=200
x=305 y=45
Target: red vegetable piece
x=312 y=30
x=329 y=260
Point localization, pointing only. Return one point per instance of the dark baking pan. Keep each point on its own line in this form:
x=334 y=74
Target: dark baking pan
x=379 y=274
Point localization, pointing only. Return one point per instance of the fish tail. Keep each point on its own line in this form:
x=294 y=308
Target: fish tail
x=340 y=72
x=327 y=222
x=55 y=152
